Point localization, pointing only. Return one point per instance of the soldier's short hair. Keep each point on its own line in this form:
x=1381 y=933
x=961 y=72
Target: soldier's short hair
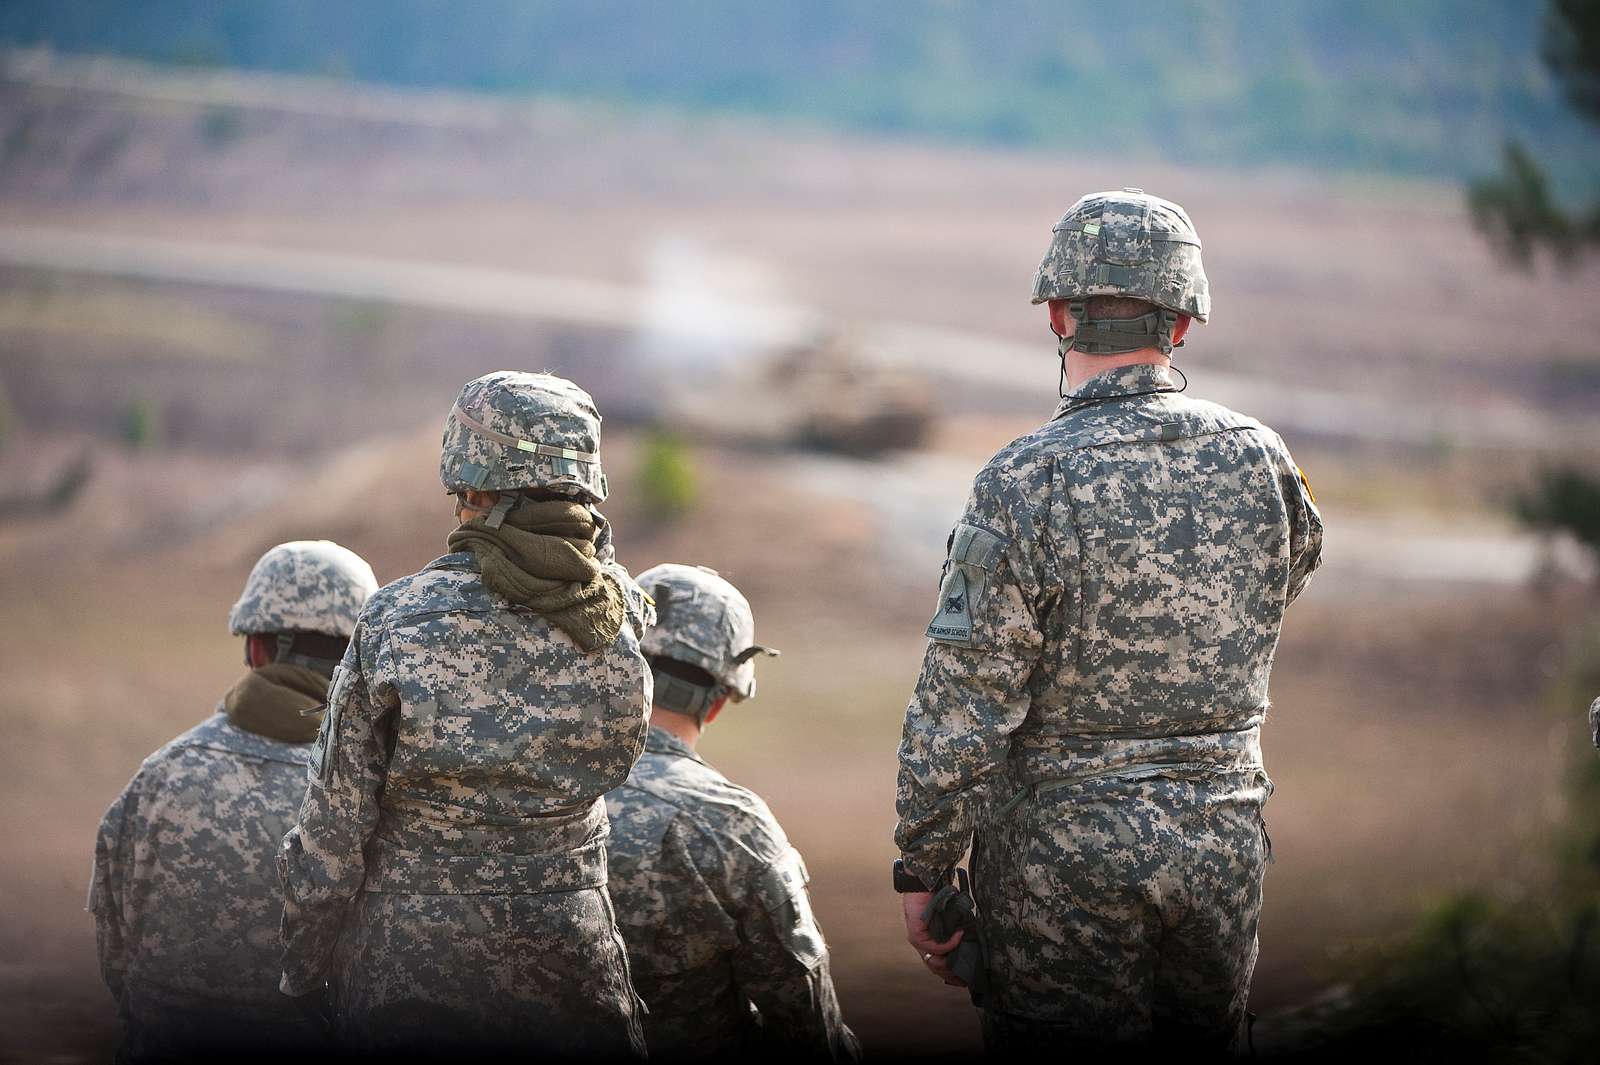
x=1100 y=307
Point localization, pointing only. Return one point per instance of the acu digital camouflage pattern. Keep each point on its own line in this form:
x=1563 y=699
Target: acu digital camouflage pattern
x=523 y=417
x=186 y=900
x=304 y=586
x=703 y=621
x=447 y=872
x=1120 y=908
x=1126 y=243
x=1594 y=721
x=713 y=905
x=1108 y=613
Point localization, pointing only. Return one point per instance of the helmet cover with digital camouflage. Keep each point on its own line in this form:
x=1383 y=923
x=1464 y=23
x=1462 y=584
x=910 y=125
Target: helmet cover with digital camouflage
x=1131 y=244
x=704 y=622
x=304 y=592
x=510 y=430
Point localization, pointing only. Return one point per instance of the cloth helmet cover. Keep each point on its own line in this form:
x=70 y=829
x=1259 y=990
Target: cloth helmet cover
x=703 y=621
x=511 y=429
x=1126 y=243
x=304 y=586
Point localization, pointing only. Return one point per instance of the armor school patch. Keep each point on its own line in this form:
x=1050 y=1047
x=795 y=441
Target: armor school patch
x=953 y=622
x=973 y=554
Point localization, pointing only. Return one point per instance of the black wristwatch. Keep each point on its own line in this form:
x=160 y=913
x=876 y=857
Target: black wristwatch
x=904 y=882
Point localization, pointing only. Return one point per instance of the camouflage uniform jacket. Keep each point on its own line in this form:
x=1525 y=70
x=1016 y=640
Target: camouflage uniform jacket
x=185 y=893
x=1110 y=607
x=713 y=905
x=456 y=799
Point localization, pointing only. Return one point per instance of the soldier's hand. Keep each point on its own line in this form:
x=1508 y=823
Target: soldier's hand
x=318 y=1008
x=914 y=904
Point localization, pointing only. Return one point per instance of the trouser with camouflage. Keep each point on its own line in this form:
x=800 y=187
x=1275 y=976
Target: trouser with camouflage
x=451 y=976
x=1123 y=911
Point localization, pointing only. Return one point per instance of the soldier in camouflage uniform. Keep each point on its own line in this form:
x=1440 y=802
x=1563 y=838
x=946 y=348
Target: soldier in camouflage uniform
x=185 y=890
x=1594 y=721
x=1089 y=710
x=711 y=897
x=447 y=874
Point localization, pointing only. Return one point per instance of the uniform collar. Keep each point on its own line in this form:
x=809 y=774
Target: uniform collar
x=660 y=741
x=1141 y=377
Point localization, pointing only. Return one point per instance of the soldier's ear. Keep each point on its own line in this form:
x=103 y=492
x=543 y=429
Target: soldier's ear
x=1061 y=323
x=1180 y=327
x=716 y=708
x=258 y=651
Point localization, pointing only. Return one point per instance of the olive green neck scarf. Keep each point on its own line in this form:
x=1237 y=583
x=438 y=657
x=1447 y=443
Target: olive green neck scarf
x=272 y=701
x=543 y=557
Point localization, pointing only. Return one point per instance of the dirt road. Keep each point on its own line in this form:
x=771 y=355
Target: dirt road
x=751 y=328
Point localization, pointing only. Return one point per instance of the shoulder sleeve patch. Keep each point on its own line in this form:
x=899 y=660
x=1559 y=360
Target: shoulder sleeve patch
x=953 y=622
x=1305 y=482
x=974 y=553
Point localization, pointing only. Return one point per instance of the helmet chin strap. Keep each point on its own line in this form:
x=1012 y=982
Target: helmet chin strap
x=1065 y=344
x=1116 y=336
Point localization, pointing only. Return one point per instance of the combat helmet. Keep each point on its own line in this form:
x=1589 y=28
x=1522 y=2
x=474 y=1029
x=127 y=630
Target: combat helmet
x=1125 y=243
x=510 y=429
x=701 y=621
x=307 y=592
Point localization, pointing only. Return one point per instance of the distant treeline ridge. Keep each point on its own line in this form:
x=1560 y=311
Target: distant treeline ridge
x=1429 y=87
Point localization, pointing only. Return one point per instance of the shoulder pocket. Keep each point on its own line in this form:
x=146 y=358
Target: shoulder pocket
x=781 y=888
x=328 y=737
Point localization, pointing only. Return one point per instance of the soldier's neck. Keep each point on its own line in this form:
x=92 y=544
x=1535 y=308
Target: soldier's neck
x=1081 y=367
x=680 y=725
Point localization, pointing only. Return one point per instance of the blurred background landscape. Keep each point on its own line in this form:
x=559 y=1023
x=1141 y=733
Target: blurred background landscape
x=249 y=251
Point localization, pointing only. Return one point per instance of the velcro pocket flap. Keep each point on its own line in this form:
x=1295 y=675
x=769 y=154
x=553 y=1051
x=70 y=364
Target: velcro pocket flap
x=975 y=547
x=328 y=738
x=781 y=889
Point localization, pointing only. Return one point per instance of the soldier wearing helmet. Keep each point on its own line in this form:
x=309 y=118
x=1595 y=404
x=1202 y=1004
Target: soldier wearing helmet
x=1088 y=716
x=445 y=884
x=184 y=891
x=711 y=897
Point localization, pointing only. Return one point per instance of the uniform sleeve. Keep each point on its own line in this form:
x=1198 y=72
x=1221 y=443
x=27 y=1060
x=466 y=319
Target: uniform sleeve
x=1594 y=721
x=1305 y=527
x=985 y=641
x=105 y=890
x=782 y=967
x=321 y=864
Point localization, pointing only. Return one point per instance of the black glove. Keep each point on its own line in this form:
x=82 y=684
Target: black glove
x=318 y=1008
x=951 y=910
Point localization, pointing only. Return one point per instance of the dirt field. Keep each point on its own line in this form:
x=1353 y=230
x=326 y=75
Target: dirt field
x=1411 y=749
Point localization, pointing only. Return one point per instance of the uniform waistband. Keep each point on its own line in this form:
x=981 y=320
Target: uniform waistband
x=1040 y=759
x=411 y=873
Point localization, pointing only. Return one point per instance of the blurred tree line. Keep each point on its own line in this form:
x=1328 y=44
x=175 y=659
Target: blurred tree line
x=1517 y=209
x=1429 y=86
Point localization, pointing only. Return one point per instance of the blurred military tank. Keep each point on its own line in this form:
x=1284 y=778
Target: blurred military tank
x=823 y=394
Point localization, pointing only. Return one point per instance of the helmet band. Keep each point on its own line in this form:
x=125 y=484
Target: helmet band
x=685 y=697
x=471 y=424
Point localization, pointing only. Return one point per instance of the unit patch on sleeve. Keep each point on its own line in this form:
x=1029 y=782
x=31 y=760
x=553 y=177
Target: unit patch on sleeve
x=953 y=622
